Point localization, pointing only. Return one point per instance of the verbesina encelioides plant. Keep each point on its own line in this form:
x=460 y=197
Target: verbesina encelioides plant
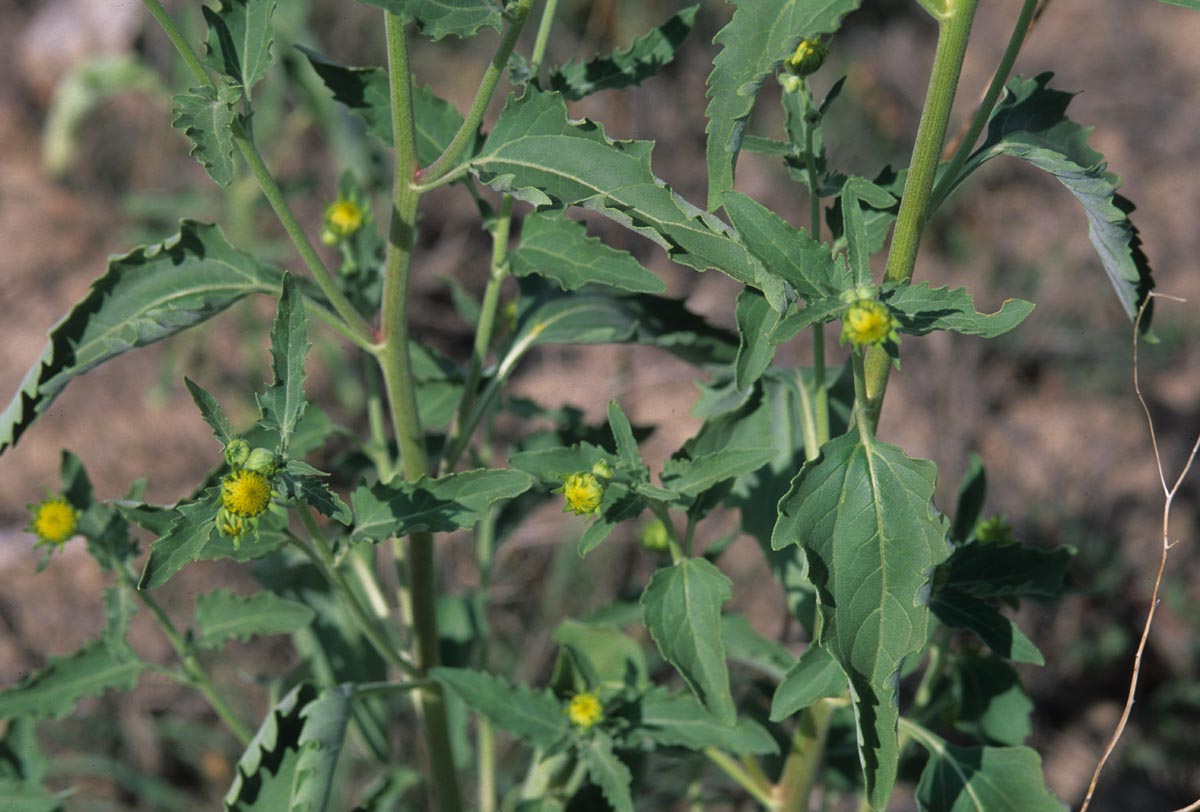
x=886 y=589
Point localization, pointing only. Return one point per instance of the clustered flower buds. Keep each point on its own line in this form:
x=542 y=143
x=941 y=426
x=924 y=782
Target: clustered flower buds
x=585 y=710
x=246 y=490
x=54 y=521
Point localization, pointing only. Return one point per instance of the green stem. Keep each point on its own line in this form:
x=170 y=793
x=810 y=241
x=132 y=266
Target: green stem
x=804 y=761
x=196 y=674
x=744 y=779
x=954 y=31
x=820 y=393
x=949 y=177
x=178 y=40
x=466 y=133
x=543 y=36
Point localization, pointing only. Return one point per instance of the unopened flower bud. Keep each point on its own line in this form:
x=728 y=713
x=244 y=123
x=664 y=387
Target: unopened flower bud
x=237 y=452
x=808 y=58
x=603 y=470
x=868 y=323
x=262 y=461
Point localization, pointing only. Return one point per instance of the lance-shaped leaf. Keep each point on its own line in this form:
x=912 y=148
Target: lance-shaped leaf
x=535 y=716
x=435 y=505
x=206 y=115
x=691 y=477
x=608 y=772
x=631 y=66
x=560 y=249
x=146 y=296
x=755 y=321
x=681 y=609
x=815 y=676
x=535 y=153
x=628 y=456
x=283 y=404
x=982 y=779
x=184 y=543
x=678 y=720
x=820 y=311
x=961 y=611
x=239 y=39
x=211 y=411
x=863 y=512
x=53 y=692
x=761 y=34
x=1030 y=123
x=439 y=18
x=222 y=615
x=921 y=309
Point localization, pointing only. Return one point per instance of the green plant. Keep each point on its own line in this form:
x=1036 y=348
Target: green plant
x=908 y=655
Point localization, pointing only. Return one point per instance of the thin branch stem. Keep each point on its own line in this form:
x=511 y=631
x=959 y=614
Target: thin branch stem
x=742 y=777
x=180 y=42
x=820 y=393
x=543 y=36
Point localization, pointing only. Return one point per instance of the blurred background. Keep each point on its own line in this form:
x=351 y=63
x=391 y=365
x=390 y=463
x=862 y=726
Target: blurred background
x=90 y=166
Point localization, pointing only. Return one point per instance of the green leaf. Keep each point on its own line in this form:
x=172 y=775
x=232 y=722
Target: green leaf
x=761 y=34
x=264 y=774
x=222 y=615
x=678 y=720
x=439 y=18
x=863 y=513
x=313 y=492
x=691 y=477
x=206 y=116
x=320 y=745
x=991 y=703
x=118 y=612
x=184 y=543
x=536 y=717
x=982 y=779
x=147 y=295
x=607 y=658
x=435 y=505
x=744 y=645
x=53 y=692
x=1030 y=123
x=21 y=797
x=537 y=154
x=755 y=321
x=962 y=611
x=972 y=493
x=628 y=456
x=239 y=40
x=990 y=570
x=641 y=60
x=608 y=772
x=681 y=609
x=283 y=404
x=552 y=465
x=1192 y=4
x=820 y=311
x=560 y=249
x=787 y=252
x=921 y=309
x=211 y=411
x=854 y=228
x=815 y=676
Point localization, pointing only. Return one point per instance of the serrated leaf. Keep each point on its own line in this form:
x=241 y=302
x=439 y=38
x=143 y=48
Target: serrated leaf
x=678 y=720
x=815 y=676
x=313 y=492
x=755 y=320
x=631 y=66
x=536 y=717
x=1030 y=123
x=863 y=513
x=239 y=40
x=691 y=477
x=991 y=703
x=436 y=505
x=193 y=526
x=222 y=615
x=211 y=411
x=962 y=611
x=681 y=609
x=439 y=18
x=787 y=252
x=264 y=774
x=608 y=772
x=320 y=745
x=761 y=34
x=820 y=311
x=990 y=570
x=147 y=295
x=53 y=692
x=206 y=116
x=982 y=779
x=535 y=153
x=283 y=404
x=920 y=310
x=560 y=249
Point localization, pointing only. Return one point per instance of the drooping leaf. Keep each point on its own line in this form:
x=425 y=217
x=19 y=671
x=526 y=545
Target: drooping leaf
x=206 y=116
x=755 y=320
x=678 y=720
x=560 y=249
x=815 y=676
x=221 y=615
x=991 y=570
x=691 y=477
x=921 y=309
x=608 y=772
x=283 y=404
x=320 y=745
x=982 y=779
x=536 y=717
x=761 y=34
x=972 y=492
x=1030 y=123
x=962 y=611
x=147 y=295
x=314 y=492
x=438 y=505
x=239 y=40
x=863 y=513
x=439 y=18
x=53 y=692
x=631 y=66
x=193 y=526
x=991 y=703
x=264 y=775
x=681 y=609
x=535 y=153
x=211 y=411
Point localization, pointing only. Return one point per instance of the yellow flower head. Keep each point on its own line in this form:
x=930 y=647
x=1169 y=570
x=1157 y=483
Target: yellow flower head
x=54 y=521
x=585 y=710
x=342 y=219
x=868 y=323
x=808 y=58
x=245 y=494
x=582 y=492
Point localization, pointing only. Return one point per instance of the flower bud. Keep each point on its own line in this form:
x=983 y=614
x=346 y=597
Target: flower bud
x=342 y=219
x=583 y=494
x=603 y=470
x=237 y=452
x=808 y=58
x=654 y=536
x=262 y=461
x=868 y=323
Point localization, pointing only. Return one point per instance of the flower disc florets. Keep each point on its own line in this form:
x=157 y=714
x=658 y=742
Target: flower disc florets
x=868 y=323
x=585 y=710
x=54 y=521
x=583 y=493
x=245 y=493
